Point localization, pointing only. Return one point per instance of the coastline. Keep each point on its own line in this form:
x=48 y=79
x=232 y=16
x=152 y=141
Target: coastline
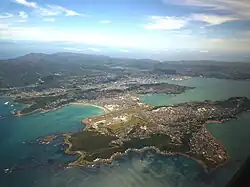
x=40 y=110
x=126 y=152
x=147 y=148
x=93 y=105
x=79 y=160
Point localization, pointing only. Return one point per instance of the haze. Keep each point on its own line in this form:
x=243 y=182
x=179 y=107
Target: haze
x=157 y=29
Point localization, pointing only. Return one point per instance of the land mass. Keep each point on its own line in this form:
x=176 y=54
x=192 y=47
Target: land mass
x=45 y=82
x=113 y=96
x=38 y=71
x=176 y=129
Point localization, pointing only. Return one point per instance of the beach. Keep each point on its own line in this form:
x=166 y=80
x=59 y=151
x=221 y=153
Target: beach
x=89 y=104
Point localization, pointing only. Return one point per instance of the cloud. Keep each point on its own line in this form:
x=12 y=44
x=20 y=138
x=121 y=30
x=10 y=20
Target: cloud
x=56 y=10
x=26 y=3
x=23 y=15
x=228 y=44
x=75 y=36
x=124 y=50
x=203 y=51
x=3 y=26
x=247 y=33
x=49 y=19
x=212 y=19
x=177 y=23
x=48 y=10
x=6 y=15
x=8 y=19
x=72 y=49
x=123 y=41
x=71 y=13
x=94 y=49
x=21 y=32
x=238 y=8
x=165 y=23
x=105 y=21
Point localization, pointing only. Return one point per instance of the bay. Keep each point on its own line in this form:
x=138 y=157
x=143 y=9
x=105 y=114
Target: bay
x=46 y=163
x=205 y=89
x=15 y=132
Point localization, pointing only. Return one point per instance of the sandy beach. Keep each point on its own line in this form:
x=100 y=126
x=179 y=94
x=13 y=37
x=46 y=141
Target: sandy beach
x=89 y=104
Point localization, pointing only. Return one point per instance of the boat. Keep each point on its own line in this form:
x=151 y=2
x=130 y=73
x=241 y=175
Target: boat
x=6 y=103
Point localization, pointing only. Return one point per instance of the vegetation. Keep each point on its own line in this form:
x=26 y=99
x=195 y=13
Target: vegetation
x=134 y=121
x=164 y=88
x=90 y=141
x=53 y=70
x=38 y=102
x=101 y=147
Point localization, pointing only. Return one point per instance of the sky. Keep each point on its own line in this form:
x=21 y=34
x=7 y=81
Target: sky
x=160 y=29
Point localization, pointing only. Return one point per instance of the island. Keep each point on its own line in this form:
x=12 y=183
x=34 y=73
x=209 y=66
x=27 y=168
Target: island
x=176 y=129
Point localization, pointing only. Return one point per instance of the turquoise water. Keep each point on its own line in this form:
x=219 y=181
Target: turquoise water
x=44 y=165
x=235 y=136
x=14 y=131
x=206 y=89
x=33 y=159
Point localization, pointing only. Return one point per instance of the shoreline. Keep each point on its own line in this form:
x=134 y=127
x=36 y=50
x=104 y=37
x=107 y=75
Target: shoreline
x=147 y=148
x=79 y=160
x=89 y=104
x=41 y=111
x=118 y=155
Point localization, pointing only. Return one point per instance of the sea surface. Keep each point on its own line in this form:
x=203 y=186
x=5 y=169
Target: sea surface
x=37 y=165
x=205 y=89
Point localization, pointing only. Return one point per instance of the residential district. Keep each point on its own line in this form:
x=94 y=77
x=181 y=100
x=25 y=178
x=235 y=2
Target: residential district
x=128 y=124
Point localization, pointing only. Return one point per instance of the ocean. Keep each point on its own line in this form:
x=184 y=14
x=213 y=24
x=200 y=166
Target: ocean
x=45 y=165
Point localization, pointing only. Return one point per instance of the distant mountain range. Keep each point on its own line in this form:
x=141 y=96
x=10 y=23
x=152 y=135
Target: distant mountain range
x=28 y=69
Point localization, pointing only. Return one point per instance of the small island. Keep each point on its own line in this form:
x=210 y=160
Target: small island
x=176 y=129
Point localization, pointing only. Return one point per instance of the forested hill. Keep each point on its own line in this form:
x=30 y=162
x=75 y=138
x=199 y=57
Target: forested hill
x=37 y=68
x=26 y=70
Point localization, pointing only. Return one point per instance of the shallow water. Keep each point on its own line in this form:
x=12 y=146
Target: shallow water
x=15 y=132
x=44 y=165
x=235 y=136
x=205 y=89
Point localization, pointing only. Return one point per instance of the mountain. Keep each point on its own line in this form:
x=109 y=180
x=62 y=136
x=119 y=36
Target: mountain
x=34 y=67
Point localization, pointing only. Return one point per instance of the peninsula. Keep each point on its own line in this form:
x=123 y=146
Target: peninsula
x=176 y=129
x=116 y=85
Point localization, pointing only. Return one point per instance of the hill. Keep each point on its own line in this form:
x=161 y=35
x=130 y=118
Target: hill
x=52 y=68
